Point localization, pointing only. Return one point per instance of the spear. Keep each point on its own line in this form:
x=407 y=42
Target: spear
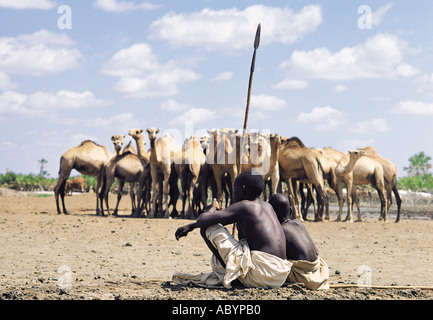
x=247 y=109
x=253 y=62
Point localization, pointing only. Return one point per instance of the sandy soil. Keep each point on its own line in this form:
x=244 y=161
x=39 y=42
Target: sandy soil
x=82 y=256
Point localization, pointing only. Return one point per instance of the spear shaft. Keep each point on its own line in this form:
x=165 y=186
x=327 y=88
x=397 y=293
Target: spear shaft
x=253 y=62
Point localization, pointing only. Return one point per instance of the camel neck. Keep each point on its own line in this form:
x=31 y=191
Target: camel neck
x=152 y=150
x=140 y=147
x=350 y=163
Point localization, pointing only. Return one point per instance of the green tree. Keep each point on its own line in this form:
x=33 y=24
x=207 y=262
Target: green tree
x=42 y=164
x=419 y=164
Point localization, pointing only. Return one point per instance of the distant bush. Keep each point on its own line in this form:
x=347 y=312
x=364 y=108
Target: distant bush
x=28 y=182
x=421 y=182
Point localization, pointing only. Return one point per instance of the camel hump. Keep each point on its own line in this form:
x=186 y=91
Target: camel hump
x=294 y=142
x=89 y=141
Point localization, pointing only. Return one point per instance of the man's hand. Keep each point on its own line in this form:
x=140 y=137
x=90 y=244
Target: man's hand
x=214 y=206
x=184 y=230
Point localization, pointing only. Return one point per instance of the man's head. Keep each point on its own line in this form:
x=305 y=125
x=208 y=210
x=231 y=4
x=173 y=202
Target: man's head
x=248 y=186
x=281 y=205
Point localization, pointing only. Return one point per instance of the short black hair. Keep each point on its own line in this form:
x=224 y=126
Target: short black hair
x=281 y=205
x=252 y=183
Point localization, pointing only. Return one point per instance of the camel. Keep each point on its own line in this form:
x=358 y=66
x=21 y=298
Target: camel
x=76 y=183
x=328 y=159
x=137 y=135
x=297 y=162
x=192 y=161
x=273 y=174
x=390 y=176
x=88 y=158
x=127 y=167
x=163 y=152
x=221 y=158
x=356 y=168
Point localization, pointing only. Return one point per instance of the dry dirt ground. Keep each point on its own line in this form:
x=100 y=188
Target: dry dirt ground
x=82 y=256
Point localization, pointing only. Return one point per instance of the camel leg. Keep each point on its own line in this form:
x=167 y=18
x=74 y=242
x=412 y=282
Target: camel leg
x=349 y=188
x=98 y=191
x=119 y=196
x=135 y=203
x=166 y=189
x=154 y=175
x=340 y=200
x=356 y=201
x=296 y=214
x=398 y=200
x=59 y=189
x=191 y=195
x=383 y=204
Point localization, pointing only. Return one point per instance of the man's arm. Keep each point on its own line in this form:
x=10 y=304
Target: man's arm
x=211 y=217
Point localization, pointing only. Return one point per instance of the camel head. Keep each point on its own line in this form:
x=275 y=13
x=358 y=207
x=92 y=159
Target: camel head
x=136 y=133
x=152 y=133
x=357 y=153
x=117 y=141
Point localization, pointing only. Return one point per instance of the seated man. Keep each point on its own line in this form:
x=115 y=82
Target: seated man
x=308 y=268
x=258 y=258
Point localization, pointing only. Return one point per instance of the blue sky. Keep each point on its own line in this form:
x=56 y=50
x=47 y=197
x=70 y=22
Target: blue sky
x=327 y=72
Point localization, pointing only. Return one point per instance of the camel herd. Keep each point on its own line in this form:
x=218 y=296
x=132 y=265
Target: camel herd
x=213 y=161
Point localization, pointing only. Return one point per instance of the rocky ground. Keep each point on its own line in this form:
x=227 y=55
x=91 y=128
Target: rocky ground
x=45 y=256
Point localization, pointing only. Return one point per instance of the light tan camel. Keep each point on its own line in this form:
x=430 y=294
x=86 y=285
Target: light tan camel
x=137 y=135
x=356 y=168
x=221 y=158
x=297 y=162
x=192 y=161
x=163 y=152
x=328 y=159
x=390 y=175
x=88 y=158
x=127 y=167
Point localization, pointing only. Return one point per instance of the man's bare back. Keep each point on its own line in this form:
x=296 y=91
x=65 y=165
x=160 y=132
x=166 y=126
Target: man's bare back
x=255 y=219
x=299 y=245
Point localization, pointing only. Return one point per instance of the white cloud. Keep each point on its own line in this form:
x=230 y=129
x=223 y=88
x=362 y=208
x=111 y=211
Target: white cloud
x=350 y=144
x=426 y=84
x=323 y=119
x=197 y=115
x=117 y=124
x=223 y=76
x=339 y=88
x=291 y=84
x=141 y=75
x=380 y=56
x=5 y=82
x=371 y=126
x=172 y=105
x=418 y=108
x=265 y=102
x=39 y=103
x=379 y=14
x=122 y=6
x=42 y=52
x=27 y=4
x=234 y=29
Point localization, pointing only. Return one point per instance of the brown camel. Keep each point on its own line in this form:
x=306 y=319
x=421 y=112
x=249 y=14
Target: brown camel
x=297 y=162
x=163 y=152
x=127 y=167
x=76 y=183
x=88 y=158
x=356 y=168
x=390 y=177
